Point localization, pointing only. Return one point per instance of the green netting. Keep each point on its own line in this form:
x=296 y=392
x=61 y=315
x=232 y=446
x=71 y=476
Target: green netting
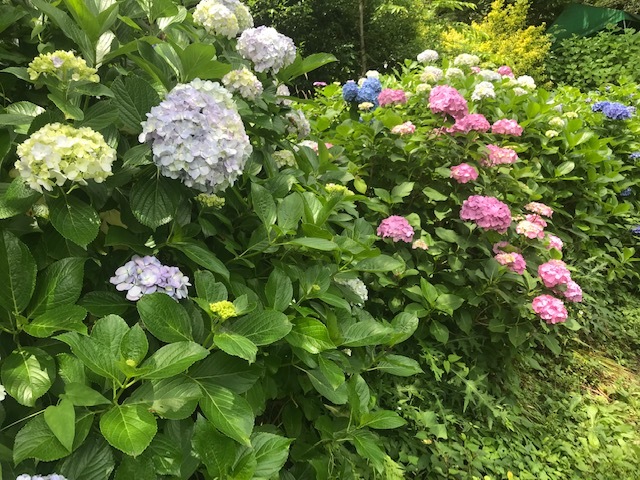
x=585 y=20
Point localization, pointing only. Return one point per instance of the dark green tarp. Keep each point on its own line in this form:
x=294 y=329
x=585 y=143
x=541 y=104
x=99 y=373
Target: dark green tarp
x=584 y=20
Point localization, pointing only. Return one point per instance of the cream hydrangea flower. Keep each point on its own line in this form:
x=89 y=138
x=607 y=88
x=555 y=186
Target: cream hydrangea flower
x=57 y=153
x=61 y=64
x=223 y=17
x=244 y=82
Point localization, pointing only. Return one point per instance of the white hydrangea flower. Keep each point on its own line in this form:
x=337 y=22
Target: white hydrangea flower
x=283 y=91
x=297 y=124
x=519 y=91
x=197 y=136
x=490 y=75
x=483 y=90
x=266 y=48
x=223 y=17
x=466 y=59
x=556 y=122
x=244 y=82
x=358 y=287
x=284 y=158
x=431 y=74
x=453 y=72
x=428 y=56
x=423 y=88
x=3 y=393
x=551 y=133
x=57 y=153
x=372 y=74
x=526 y=82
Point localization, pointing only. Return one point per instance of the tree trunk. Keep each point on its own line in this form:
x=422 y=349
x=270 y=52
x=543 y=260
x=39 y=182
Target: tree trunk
x=363 y=52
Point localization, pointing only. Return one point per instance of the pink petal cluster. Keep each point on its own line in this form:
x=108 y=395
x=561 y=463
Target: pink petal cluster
x=554 y=273
x=507 y=127
x=539 y=208
x=405 y=128
x=506 y=71
x=573 y=292
x=476 y=69
x=397 y=228
x=530 y=229
x=554 y=242
x=513 y=261
x=447 y=100
x=499 y=156
x=536 y=219
x=489 y=213
x=476 y=122
x=550 y=309
x=464 y=173
x=389 y=96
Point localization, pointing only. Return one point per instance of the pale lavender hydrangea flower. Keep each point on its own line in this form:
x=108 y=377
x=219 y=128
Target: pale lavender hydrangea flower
x=144 y=275
x=223 y=17
x=197 y=136
x=53 y=476
x=266 y=48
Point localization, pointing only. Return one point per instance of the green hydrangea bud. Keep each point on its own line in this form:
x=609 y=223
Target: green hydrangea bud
x=63 y=65
x=212 y=201
x=223 y=309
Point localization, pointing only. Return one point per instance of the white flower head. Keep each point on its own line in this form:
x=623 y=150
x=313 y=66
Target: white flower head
x=483 y=90
x=466 y=59
x=428 y=56
x=266 y=48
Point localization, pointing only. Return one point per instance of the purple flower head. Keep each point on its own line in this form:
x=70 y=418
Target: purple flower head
x=613 y=110
x=626 y=192
x=634 y=156
x=143 y=275
x=635 y=230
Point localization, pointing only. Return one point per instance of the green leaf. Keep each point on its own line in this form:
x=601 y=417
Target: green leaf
x=173 y=359
x=262 y=328
x=174 y=398
x=100 y=115
x=137 y=156
x=70 y=110
x=83 y=396
x=368 y=332
x=91 y=461
x=399 y=365
x=60 y=284
x=321 y=383
x=67 y=317
x=381 y=420
x=263 y=205
x=448 y=303
x=217 y=452
x=134 y=98
x=367 y=445
x=208 y=288
x=203 y=257
x=100 y=304
x=227 y=411
x=17 y=199
x=310 y=335
x=301 y=66
x=315 y=243
x=61 y=420
x=236 y=345
x=279 y=290
x=198 y=61
x=404 y=325
x=134 y=345
x=140 y=468
x=17 y=273
x=226 y=371
x=271 y=452
x=439 y=331
x=518 y=335
x=154 y=201
x=27 y=374
x=434 y=194
x=129 y=428
x=447 y=235
x=552 y=344
x=165 y=318
x=290 y=210
x=564 y=169
x=381 y=263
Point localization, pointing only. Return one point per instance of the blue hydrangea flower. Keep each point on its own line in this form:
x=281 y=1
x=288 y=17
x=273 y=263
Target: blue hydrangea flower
x=634 y=156
x=635 y=230
x=143 y=275
x=350 y=91
x=612 y=110
x=626 y=192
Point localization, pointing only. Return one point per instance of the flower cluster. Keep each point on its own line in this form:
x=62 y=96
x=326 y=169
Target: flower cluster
x=506 y=71
x=57 y=153
x=453 y=72
x=554 y=273
x=297 y=124
x=483 y=90
x=210 y=201
x=337 y=189
x=284 y=158
x=466 y=59
x=63 y=65
x=266 y=48
x=197 y=136
x=244 y=82
x=51 y=476
x=550 y=309
x=507 y=127
x=626 y=192
x=428 y=56
x=464 y=173
x=419 y=244
x=526 y=82
x=366 y=93
x=397 y=228
x=613 y=110
x=389 y=96
x=499 y=156
x=447 y=100
x=488 y=213
x=554 y=242
x=223 y=309
x=490 y=75
x=143 y=275
x=431 y=74
x=223 y=17
x=405 y=128
x=539 y=208
x=356 y=286
x=475 y=122
x=513 y=261
x=283 y=91
x=530 y=229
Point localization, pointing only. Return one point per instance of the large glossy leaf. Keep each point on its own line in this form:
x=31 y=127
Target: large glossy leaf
x=129 y=428
x=175 y=398
x=68 y=318
x=310 y=335
x=61 y=420
x=236 y=345
x=203 y=257
x=165 y=318
x=27 y=374
x=227 y=371
x=271 y=452
x=279 y=290
x=263 y=327
x=173 y=359
x=92 y=461
x=60 y=284
x=154 y=201
x=74 y=219
x=134 y=98
x=227 y=411
x=17 y=273
x=217 y=452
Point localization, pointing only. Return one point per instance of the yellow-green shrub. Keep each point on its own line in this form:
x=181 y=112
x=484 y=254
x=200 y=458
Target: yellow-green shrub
x=503 y=37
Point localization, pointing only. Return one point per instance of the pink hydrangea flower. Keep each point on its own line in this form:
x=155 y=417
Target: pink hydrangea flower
x=507 y=127
x=476 y=69
x=550 y=309
x=397 y=228
x=506 y=71
x=554 y=242
x=405 y=128
x=475 y=121
x=447 y=100
x=554 y=273
x=530 y=229
x=319 y=84
x=499 y=156
x=536 y=219
x=489 y=213
x=389 y=96
x=513 y=261
x=573 y=292
x=464 y=173
x=420 y=244
x=539 y=208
